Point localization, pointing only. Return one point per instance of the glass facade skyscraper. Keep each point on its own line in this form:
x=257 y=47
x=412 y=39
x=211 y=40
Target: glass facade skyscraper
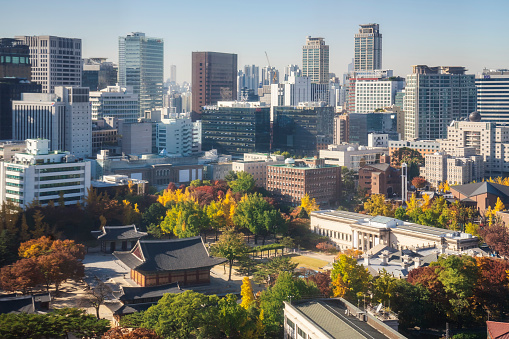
x=315 y=60
x=368 y=48
x=141 y=65
x=493 y=95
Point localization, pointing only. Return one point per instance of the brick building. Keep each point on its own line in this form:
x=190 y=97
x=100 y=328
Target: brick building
x=380 y=179
x=291 y=181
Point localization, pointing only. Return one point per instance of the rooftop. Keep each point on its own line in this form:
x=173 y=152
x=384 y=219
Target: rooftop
x=110 y=233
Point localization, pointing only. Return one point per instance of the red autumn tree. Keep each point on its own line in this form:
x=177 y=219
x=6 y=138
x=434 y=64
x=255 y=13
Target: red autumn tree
x=497 y=238
x=23 y=275
x=419 y=182
x=491 y=291
x=124 y=333
x=57 y=267
x=323 y=282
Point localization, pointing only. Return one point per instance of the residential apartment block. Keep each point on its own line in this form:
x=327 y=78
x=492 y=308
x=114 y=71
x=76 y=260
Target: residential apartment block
x=368 y=48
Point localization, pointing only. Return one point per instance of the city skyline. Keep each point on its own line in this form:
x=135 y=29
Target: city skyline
x=413 y=34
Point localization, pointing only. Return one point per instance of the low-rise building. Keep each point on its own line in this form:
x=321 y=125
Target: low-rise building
x=348 y=230
x=256 y=165
x=352 y=156
x=380 y=179
x=291 y=181
x=115 y=101
x=481 y=195
x=10 y=147
x=422 y=146
x=43 y=176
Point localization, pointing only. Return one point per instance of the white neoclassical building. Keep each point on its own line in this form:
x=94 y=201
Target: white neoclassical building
x=348 y=230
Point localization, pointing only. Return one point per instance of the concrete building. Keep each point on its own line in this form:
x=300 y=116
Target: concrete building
x=256 y=165
x=315 y=60
x=270 y=75
x=360 y=125
x=9 y=147
x=378 y=140
x=64 y=117
x=106 y=136
x=174 y=134
x=42 y=175
x=340 y=129
x=141 y=65
x=352 y=156
x=337 y=318
x=99 y=73
x=380 y=179
x=297 y=129
x=291 y=181
x=434 y=97
x=375 y=94
x=236 y=128
x=117 y=102
x=214 y=79
x=486 y=138
x=55 y=61
x=493 y=95
x=248 y=79
x=370 y=79
x=368 y=48
x=461 y=167
x=14 y=59
x=422 y=146
x=292 y=70
x=10 y=90
x=137 y=137
x=348 y=230
x=173 y=74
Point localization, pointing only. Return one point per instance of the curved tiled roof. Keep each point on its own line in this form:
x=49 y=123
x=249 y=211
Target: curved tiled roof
x=111 y=233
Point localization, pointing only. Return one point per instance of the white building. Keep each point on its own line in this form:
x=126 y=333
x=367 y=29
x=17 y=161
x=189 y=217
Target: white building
x=41 y=175
x=374 y=94
x=256 y=165
x=115 y=101
x=197 y=136
x=352 y=156
x=64 y=118
x=493 y=95
x=378 y=140
x=174 y=134
x=461 y=167
x=55 y=61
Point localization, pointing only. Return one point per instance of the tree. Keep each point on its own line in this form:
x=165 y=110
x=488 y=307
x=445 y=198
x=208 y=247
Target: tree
x=23 y=275
x=35 y=247
x=496 y=237
x=254 y=213
x=183 y=315
x=58 y=267
x=323 y=282
x=349 y=278
x=184 y=219
x=243 y=184
x=153 y=216
x=269 y=271
x=376 y=205
x=418 y=182
x=220 y=213
x=246 y=291
x=230 y=246
x=231 y=176
x=95 y=296
x=234 y=320
x=308 y=204
x=126 y=333
x=491 y=292
x=383 y=287
x=286 y=288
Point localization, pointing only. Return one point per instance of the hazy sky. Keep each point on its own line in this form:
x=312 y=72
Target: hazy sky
x=469 y=33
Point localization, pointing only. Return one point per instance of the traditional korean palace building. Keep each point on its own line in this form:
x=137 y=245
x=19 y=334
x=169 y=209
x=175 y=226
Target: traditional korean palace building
x=118 y=237
x=161 y=262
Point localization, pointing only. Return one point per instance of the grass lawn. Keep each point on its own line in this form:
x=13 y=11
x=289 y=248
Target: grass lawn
x=307 y=262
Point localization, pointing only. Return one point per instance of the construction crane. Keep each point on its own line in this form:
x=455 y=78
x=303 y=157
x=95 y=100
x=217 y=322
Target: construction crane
x=274 y=79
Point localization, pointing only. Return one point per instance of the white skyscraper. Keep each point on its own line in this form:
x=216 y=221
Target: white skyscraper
x=55 y=61
x=64 y=118
x=368 y=48
x=493 y=95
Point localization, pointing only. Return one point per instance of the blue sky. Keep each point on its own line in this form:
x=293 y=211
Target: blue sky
x=447 y=32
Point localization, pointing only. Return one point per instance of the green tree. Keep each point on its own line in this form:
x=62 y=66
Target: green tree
x=231 y=245
x=269 y=271
x=234 y=320
x=243 y=184
x=153 y=216
x=383 y=287
x=184 y=219
x=231 y=176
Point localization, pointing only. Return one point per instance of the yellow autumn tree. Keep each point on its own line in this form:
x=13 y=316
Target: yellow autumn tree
x=179 y=195
x=447 y=188
x=309 y=204
x=441 y=187
x=426 y=202
x=499 y=206
x=220 y=212
x=376 y=205
x=246 y=291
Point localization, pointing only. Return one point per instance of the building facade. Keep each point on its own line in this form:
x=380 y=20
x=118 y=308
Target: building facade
x=380 y=179
x=141 y=65
x=236 y=127
x=99 y=74
x=43 y=176
x=291 y=181
x=14 y=59
x=315 y=60
x=117 y=102
x=214 y=79
x=174 y=134
x=375 y=94
x=55 y=61
x=360 y=125
x=368 y=48
x=352 y=156
x=434 y=97
x=493 y=95
x=256 y=165
x=422 y=146
x=296 y=129
x=65 y=118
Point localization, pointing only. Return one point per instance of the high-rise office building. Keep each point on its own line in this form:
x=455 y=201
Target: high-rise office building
x=14 y=59
x=236 y=127
x=434 y=97
x=117 y=102
x=493 y=95
x=11 y=89
x=315 y=60
x=141 y=65
x=98 y=73
x=63 y=117
x=368 y=48
x=214 y=78
x=55 y=61
x=173 y=74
